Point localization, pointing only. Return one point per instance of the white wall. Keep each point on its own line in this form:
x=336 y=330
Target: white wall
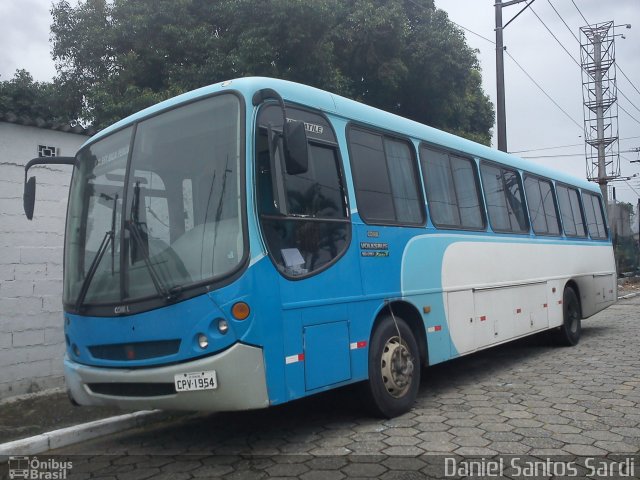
x=31 y=331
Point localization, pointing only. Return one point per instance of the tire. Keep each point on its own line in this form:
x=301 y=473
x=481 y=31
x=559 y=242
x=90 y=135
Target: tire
x=571 y=328
x=394 y=369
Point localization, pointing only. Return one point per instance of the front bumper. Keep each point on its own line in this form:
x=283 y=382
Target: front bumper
x=240 y=373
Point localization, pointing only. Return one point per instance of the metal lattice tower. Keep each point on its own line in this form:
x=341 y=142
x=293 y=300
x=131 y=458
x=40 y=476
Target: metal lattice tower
x=599 y=95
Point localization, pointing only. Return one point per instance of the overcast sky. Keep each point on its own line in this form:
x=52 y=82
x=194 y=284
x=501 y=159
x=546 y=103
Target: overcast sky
x=533 y=121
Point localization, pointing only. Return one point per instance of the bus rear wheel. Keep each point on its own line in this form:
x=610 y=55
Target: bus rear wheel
x=394 y=369
x=572 y=326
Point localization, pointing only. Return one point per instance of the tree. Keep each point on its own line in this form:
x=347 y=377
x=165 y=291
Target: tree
x=393 y=54
x=51 y=103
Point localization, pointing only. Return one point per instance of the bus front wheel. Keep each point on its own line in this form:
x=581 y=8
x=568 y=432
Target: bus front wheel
x=571 y=327
x=394 y=369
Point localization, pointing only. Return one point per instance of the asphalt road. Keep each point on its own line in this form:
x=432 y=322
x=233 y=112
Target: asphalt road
x=527 y=398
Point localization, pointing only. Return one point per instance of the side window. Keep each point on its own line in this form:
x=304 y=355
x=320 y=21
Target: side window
x=317 y=192
x=569 y=203
x=542 y=206
x=303 y=217
x=452 y=190
x=505 y=202
x=385 y=179
x=595 y=218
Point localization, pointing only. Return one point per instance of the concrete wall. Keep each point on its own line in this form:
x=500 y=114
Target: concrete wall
x=31 y=333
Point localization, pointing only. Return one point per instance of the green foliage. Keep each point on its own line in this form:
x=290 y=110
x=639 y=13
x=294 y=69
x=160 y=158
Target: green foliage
x=47 y=102
x=392 y=54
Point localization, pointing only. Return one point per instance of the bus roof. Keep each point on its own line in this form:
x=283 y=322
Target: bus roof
x=353 y=111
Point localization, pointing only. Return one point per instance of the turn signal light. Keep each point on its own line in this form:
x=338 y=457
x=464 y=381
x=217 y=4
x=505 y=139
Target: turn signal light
x=240 y=311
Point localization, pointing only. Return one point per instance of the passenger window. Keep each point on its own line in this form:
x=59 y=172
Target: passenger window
x=505 y=202
x=542 y=206
x=572 y=220
x=595 y=218
x=385 y=179
x=452 y=190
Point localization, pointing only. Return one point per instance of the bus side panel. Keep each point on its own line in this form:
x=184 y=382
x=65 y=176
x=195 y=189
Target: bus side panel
x=421 y=281
x=597 y=292
x=318 y=327
x=516 y=283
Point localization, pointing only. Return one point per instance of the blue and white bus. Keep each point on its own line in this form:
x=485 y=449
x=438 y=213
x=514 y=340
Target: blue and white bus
x=258 y=241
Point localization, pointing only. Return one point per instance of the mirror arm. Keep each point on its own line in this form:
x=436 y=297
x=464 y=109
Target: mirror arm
x=276 y=174
x=48 y=161
x=294 y=140
x=267 y=94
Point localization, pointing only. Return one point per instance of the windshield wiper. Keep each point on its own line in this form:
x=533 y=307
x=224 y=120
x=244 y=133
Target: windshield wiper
x=162 y=290
x=109 y=237
x=133 y=225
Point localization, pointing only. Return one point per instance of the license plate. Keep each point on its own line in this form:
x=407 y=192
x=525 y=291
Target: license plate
x=188 y=382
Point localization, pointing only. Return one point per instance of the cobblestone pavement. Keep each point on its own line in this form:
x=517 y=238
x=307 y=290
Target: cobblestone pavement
x=528 y=398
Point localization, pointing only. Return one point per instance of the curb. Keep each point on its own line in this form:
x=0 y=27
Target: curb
x=77 y=433
x=628 y=295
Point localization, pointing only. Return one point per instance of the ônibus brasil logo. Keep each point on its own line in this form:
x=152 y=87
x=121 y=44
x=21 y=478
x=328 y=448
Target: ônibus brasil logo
x=36 y=469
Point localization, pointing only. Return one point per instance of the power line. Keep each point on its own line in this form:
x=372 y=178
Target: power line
x=634 y=190
x=457 y=24
x=574 y=60
x=627 y=98
x=623 y=109
x=566 y=155
x=556 y=156
x=543 y=90
x=548 y=148
x=585 y=20
x=556 y=38
x=577 y=40
x=471 y=31
x=564 y=146
x=566 y=51
x=565 y=23
x=628 y=80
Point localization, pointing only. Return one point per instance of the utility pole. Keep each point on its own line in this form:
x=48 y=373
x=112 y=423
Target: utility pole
x=602 y=170
x=600 y=95
x=500 y=107
x=500 y=95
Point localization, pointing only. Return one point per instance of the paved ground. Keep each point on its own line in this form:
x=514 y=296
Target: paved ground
x=528 y=398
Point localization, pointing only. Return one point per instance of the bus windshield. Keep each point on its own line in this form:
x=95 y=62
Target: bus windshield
x=156 y=207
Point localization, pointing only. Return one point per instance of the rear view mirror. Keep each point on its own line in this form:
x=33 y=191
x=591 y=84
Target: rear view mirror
x=29 y=194
x=296 y=149
x=29 y=197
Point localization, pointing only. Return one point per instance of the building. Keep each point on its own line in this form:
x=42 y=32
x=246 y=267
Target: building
x=31 y=330
x=620 y=215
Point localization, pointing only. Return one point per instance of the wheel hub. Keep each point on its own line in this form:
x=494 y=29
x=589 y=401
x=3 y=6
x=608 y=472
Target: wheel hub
x=397 y=367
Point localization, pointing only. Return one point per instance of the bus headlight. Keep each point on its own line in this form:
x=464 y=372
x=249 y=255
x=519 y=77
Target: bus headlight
x=203 y=341
x=223 y=326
